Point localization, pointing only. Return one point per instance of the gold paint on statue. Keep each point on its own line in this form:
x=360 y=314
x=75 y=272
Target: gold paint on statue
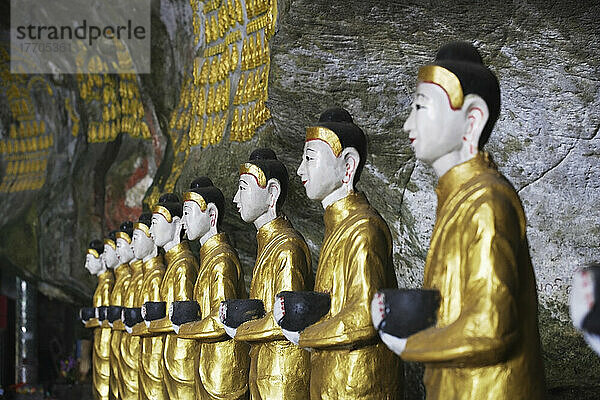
x=130 y=345
x=486 y=342
x=446 y=80
x=223 y=363
x=151 y=378
x=348 y=361
x=178 y=285
x=326 y=135
x=278 y=368
x=256 y=172
x=117 y=297
x=101 y=350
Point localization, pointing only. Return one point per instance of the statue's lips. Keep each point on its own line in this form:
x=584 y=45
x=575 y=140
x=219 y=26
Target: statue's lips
x=411 y=140
x=304 y=182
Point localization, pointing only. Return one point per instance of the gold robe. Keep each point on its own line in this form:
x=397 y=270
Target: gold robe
x=278 y=368
x=348 y=361
x=179 y=355
x=223 y=362
x=117 y=298
x=130 y=344
x=485 y=344
x=150 y=371
x=101 y=351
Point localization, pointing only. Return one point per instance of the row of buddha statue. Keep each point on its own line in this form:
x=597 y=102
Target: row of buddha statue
x=170 y=325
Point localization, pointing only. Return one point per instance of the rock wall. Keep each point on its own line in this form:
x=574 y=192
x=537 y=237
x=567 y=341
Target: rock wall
x=363 y=56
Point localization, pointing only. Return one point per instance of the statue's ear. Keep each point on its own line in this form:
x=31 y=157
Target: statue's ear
x=351 y=160
x=477 y=114
x=274 y=188
x=213 y=213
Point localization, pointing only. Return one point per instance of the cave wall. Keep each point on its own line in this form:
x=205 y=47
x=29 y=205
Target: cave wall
x=362 y=56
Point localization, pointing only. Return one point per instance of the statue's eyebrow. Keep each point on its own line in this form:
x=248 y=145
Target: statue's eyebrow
x=309 y=149
x=421 y=95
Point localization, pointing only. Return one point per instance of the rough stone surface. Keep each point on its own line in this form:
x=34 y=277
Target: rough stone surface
x=363 y=56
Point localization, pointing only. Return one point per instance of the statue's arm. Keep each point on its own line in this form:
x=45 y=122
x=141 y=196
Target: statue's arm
x=290 y=265
x=366 y=257
x=487 y=327
x=222 y=287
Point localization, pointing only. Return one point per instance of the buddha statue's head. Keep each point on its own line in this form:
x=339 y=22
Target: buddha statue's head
x=124 y=248
x=202 y=209
x=93 y=258
x=454 y=109
x=109 y=256
x=584 y=304
x=334 y=155
x=166 y=220
x=142 y=242
x=262 y=187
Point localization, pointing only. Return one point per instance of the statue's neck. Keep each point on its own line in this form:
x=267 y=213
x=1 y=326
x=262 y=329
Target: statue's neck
x=267 y=217
x=336 y=195
x=211 y=232
x=448 y=161
x=151 y=255
x=173 y=242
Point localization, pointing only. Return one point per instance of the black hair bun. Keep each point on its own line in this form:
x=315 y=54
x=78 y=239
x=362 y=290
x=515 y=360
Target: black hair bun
x=303 y=309
x=459 y=51
x=202 y=182
x=127 y=227
x=336 y=114
x=146 y=219
x=112 y=235
x=262 y=154
x=168 y=198
x=97 y=245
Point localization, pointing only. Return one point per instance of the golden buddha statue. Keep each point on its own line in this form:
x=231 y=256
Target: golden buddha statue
x=150 y=371
x=485 y=344
x=347 y=360
x=101 y=350
x=179 y=372
x=278 y=369
x=122 y=280
x=130 y=345
x=223 y=364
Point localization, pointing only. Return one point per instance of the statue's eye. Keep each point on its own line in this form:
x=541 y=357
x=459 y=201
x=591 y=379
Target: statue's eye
x=418 y=106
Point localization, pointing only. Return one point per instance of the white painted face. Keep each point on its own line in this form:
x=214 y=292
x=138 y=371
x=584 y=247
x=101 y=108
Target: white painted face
x=251 y=200
x=581 y=300
x=92 y=264
x=434 y=128
x=110 y=257
x=124 y=251
x=142 y=245
x=161 y=231
x=320 y=170
x=195 y=222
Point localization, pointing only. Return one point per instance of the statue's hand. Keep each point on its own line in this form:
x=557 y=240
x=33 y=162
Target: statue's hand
x=293 y=337
x=278 y=309
x=395 y=344
x=222 y=317
x=378 y=309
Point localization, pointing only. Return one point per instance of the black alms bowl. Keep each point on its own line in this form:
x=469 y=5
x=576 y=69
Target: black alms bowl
x=87 y=313
x=408 y=311
x=102 y=313
x=241 y=310
x=155 y=310
x=132 y=316
x=185 y=311
x=303 y=309
x=114 y=313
